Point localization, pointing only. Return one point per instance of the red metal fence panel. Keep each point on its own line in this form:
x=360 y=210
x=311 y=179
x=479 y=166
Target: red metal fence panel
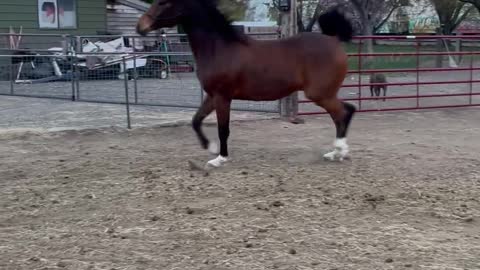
x=424 y=72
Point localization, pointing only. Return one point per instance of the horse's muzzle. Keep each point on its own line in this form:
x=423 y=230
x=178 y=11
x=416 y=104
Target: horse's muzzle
x=144 y=25
x=142 y=31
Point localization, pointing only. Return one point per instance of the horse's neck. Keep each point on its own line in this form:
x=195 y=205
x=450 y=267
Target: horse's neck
x=205 y=45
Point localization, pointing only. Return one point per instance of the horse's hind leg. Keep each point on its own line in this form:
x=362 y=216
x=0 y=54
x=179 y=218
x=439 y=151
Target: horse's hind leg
x=342 y=114
x=205 y=109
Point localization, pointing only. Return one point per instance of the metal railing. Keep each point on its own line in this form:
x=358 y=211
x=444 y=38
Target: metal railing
x=158 y=71
x=418 y=77
x=423 y=71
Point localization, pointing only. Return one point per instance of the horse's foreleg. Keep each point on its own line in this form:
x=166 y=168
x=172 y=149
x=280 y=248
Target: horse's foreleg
x=222 y=108
x=205 y=109
x=341 y=113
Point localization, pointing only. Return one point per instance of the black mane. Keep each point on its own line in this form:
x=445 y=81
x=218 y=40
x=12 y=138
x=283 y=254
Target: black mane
x=205 y=15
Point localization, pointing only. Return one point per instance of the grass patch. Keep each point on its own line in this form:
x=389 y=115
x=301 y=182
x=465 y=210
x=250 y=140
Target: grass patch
x=387 y=62
x=399 y=62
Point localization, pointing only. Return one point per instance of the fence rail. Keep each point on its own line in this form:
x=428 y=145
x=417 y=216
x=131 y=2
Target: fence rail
x=424 y=72
x=154 y=71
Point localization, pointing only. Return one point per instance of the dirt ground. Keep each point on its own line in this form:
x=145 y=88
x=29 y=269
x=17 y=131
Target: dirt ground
x=118 y=199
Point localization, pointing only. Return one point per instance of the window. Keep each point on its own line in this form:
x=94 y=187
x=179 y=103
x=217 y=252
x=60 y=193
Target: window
x=57 y=14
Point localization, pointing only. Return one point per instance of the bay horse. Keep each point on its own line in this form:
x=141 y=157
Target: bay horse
x=230 y=65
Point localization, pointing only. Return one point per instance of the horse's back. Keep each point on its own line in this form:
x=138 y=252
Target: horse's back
x=315 y=50
x=270 y=69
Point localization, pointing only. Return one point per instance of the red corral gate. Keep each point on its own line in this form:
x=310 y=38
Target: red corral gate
x=422 y=72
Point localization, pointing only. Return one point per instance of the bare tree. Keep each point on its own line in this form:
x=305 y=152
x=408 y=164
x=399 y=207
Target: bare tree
x=368 y=15
x=373 y=14
x=475 y=3
x=308 y=12
x=450 y=14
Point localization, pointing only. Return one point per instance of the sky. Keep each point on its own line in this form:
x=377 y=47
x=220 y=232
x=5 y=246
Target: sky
x=258 y=11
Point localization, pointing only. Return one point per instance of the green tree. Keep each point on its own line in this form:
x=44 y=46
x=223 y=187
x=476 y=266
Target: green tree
x=233 y=9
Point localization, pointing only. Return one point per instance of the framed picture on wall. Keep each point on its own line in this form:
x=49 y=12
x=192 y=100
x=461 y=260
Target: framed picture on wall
x=47 y=14
x=57 y=14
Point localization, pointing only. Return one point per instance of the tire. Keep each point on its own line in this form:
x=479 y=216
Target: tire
x=163 y=74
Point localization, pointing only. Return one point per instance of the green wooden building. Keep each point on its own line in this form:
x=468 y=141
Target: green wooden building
x=48 y=17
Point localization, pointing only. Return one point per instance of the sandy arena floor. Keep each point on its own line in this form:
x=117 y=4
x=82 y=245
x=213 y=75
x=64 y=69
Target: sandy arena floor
x=117 y=199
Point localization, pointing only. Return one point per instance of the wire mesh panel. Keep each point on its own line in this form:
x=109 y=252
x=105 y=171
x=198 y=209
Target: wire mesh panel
x=158 y=70
x=166 y=75
x=34 y=42
x=35 y=65
x=100 y=82
x=36 y=76
x=6 y=71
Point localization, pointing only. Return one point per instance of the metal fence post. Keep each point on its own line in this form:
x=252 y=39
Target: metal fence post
x=470 y=100
x=77 y=79
x=418 y=72
x=135 y=76
x=72 y=78
x=79 y=45
x=127 y=103
x=360 y=44
x=439 y=41
x=284 y=107
x=70 y=54
x=12 y=79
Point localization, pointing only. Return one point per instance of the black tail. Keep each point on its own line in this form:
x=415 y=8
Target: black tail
x=333 y=23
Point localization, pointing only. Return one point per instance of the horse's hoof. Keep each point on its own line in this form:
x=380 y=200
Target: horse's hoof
x=336 y=155
x=213 y=148
x=217 y=162
x=330 y=156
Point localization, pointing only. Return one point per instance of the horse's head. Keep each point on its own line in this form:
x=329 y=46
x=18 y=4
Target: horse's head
x=189 y=13
x=162 y=13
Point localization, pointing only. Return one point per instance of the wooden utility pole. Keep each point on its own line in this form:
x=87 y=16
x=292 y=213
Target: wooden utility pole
x=288 y=26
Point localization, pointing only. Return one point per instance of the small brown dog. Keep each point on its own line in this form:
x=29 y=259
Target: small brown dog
x=375 y=89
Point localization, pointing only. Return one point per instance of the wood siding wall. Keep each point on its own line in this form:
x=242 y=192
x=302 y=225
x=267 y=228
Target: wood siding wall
x=91 y=17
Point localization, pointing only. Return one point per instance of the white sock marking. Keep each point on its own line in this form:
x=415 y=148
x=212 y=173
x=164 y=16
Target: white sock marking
x=340 y=151
x=217 y=162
